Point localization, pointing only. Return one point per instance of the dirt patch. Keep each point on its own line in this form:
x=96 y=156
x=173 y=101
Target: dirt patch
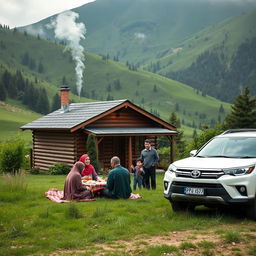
x=188 y=243
x=10 y=107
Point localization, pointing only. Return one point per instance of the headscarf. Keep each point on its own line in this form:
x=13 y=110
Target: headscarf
x=88 y=169
x=77 y=168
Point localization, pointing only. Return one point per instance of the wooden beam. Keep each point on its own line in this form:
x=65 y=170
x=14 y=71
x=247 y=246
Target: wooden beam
x=99 y=140
x=129 y=152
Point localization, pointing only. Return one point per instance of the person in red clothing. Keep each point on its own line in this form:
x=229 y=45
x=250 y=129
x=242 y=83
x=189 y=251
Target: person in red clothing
x=88 y=171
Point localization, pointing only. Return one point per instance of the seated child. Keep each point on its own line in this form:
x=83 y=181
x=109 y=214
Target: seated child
x=138 y=174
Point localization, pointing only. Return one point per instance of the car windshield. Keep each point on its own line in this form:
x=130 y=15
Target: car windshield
x=231 y=147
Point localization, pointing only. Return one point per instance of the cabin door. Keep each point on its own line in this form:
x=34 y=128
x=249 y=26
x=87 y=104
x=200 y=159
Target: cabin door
x=119 y=149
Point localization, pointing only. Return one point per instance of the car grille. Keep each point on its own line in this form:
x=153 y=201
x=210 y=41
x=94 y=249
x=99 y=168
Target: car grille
x=196 y=185
x=204 y=174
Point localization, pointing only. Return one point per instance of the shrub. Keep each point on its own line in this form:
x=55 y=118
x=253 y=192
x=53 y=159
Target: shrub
x=12 y=156
x=92 y=151
x=35 y=170
x=59 y=168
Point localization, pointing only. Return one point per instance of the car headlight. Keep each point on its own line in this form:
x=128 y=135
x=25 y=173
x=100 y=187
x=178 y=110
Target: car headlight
x=239 y=171
x=172 y=168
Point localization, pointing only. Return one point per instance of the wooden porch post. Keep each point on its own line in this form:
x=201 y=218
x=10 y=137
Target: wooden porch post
x=98 y=141
x=129 y=152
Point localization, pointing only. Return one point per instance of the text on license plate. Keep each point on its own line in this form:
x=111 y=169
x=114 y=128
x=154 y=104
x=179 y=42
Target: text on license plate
x=193 y=191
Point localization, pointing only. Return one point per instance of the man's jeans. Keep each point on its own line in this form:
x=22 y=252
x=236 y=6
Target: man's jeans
x=150 y=174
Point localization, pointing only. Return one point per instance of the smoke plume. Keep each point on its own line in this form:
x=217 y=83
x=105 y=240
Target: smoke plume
x=66 y=28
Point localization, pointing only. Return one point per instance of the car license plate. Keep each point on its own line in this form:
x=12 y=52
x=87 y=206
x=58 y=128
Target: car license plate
x=194 y=191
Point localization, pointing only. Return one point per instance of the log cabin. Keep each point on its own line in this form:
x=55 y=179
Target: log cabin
x=119 y=126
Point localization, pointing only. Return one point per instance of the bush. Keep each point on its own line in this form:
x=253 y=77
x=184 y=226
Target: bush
x=35 y=171
x=12 y=156
x=92 y=152
x=59 y=168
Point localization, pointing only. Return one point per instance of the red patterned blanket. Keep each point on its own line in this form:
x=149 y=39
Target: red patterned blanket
x=55 y=195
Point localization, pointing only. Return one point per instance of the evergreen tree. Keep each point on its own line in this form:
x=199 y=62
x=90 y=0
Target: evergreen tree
x=42 y=105
x=243 y=112
x=56 y=102
x=179 y=138
x=40 y=67
x=32 y=64
x=221 y=109
x=64 y=80
x=92 y=151
x=117 y=84
x=3 y=92
x=25 y=59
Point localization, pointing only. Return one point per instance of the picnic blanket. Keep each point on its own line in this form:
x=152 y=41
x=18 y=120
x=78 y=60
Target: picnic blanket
x=55 y=195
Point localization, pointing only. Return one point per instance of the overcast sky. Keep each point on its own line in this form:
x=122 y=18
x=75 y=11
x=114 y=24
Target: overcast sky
x=16 y=13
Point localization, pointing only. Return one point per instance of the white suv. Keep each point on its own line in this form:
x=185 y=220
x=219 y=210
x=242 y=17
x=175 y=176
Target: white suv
x=221 y=172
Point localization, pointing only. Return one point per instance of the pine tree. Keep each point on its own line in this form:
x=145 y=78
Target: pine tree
x=92 y=151
x=179 y=138
x=3 y=93
x=25 y=59
x=40 y=67
x=56 y=102
x=42 y=105
x=243 y=112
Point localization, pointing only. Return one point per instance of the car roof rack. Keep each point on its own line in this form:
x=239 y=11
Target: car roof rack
x=239 y=130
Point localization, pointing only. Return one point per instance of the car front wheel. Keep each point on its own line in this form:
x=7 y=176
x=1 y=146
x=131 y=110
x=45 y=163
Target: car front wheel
x=251 y=210
x=182 y=206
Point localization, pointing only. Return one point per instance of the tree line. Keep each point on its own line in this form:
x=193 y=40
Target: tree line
x=31 y=94
x=211 y=74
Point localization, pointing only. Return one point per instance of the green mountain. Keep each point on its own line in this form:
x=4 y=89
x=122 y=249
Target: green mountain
x=143 y=30
x=218 y=60
x=104 y=80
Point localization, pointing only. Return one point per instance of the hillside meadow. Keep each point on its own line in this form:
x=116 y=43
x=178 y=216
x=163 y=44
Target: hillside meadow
x=30 y=224
x=12 y=118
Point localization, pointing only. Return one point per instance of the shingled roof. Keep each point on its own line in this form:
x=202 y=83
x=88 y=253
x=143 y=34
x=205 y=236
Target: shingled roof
x=79 y=113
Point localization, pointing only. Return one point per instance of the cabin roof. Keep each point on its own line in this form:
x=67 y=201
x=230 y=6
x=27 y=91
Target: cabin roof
x=78 y=113
x=82 y=114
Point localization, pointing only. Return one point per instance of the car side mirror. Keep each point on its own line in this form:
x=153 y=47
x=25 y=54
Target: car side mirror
x=193 y=152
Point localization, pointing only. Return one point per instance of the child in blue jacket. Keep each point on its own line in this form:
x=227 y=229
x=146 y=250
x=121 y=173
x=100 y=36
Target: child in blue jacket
x=138 y=174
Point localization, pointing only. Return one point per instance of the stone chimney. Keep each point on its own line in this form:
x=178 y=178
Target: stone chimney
x=64 y=97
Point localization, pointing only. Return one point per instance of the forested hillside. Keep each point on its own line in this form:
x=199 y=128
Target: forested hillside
x=44 y=66
x=219 y=60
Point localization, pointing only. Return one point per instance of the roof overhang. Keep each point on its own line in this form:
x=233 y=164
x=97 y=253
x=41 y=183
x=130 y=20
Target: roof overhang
x=130 y=131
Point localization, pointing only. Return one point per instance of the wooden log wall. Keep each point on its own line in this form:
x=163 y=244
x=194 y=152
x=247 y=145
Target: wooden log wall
x=50 y=147
x=124 y=117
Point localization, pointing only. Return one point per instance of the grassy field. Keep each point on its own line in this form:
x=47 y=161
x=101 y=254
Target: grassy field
x=30 y=224
x=12 y=118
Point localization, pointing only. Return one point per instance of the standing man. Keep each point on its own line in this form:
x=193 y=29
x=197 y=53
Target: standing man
x=118 y=184
x=150 y=158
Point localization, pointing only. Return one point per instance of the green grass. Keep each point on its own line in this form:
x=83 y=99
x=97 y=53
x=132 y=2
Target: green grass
x=232 y=237
x=30 y=223
x=12 y=118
